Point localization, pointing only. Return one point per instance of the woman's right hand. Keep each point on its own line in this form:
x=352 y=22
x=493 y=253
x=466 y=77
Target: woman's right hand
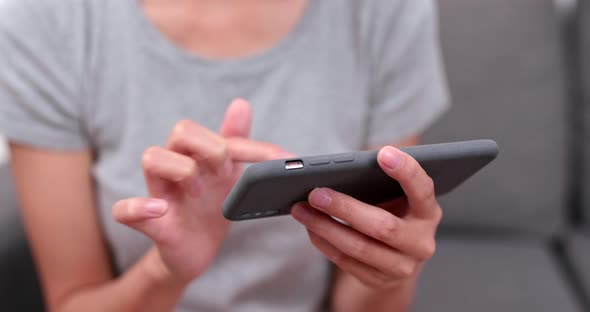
x=188 y=181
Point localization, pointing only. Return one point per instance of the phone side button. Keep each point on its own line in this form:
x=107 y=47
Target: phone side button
x=245 y=216
x=344 y=158
x=319 y=161
x=271 y=212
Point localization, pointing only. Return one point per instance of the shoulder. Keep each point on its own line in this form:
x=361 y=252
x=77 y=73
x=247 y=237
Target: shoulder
x=53 y=29
x=394 y=8
x=55 y=16
x=377 y=23
x=376 y=10
x=46 y=10
x=394 y=15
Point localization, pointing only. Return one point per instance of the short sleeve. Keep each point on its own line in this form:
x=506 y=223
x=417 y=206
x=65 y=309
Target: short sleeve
x=40 y=102
x=408 y=85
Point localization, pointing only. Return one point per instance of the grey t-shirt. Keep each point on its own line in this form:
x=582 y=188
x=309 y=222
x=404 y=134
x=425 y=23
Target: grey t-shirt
x=95 y=74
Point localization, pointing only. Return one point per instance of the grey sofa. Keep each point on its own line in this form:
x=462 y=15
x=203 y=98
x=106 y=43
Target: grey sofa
x=501 y=244
x=19 y=287
x=578 y=244
x=512 y=238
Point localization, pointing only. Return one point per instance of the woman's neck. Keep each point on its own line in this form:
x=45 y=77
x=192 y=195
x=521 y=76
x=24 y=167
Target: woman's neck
x=224 y=28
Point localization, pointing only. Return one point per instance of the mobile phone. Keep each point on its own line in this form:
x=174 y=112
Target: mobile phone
x=270 y=188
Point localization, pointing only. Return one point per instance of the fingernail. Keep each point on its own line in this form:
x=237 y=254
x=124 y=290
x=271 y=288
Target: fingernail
x=155 y=207
x=390 y=158
x=301 y=213
x=320 y=197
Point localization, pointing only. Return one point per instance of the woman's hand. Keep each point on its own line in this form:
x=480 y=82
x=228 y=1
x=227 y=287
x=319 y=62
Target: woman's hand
x=382 y=246
x=188 y=181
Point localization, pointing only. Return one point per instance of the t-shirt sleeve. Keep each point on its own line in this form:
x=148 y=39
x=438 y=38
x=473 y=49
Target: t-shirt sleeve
x=408 y=87
x=40 y=93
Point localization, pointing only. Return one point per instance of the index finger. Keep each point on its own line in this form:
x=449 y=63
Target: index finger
x=416 y=184
x=247 y=150
x=200 y=143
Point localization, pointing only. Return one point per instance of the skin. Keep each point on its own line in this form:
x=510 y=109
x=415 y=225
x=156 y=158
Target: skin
x=378 y=256
x=382 y=249
x=76 y=276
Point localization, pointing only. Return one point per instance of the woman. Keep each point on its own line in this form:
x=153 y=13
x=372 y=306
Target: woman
x=111 y=108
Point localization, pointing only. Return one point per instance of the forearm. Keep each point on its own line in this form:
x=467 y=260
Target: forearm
x=144 y=287
x=350 y=295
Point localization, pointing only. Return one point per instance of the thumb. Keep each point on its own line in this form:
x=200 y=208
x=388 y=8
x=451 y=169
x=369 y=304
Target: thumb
x=238 y=119
x=142 y=214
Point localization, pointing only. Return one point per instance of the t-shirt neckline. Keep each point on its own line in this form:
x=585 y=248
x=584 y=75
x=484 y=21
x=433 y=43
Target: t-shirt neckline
x=259 y=59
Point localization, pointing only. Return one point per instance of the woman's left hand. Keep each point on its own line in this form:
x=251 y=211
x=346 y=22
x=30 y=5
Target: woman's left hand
x=382 y=246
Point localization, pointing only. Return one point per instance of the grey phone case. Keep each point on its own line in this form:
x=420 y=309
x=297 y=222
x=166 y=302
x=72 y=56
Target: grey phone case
x=270 y=188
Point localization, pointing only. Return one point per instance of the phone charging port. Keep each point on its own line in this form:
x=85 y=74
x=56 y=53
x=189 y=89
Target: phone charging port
x=293 y=164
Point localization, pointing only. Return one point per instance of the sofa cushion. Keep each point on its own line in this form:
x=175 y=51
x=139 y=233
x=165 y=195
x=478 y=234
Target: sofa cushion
x=578 y=250
x=503 y=62
x=483 y=275
x=582 y=123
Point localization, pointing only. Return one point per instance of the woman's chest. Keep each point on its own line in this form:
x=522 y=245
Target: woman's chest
x=303 y=112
